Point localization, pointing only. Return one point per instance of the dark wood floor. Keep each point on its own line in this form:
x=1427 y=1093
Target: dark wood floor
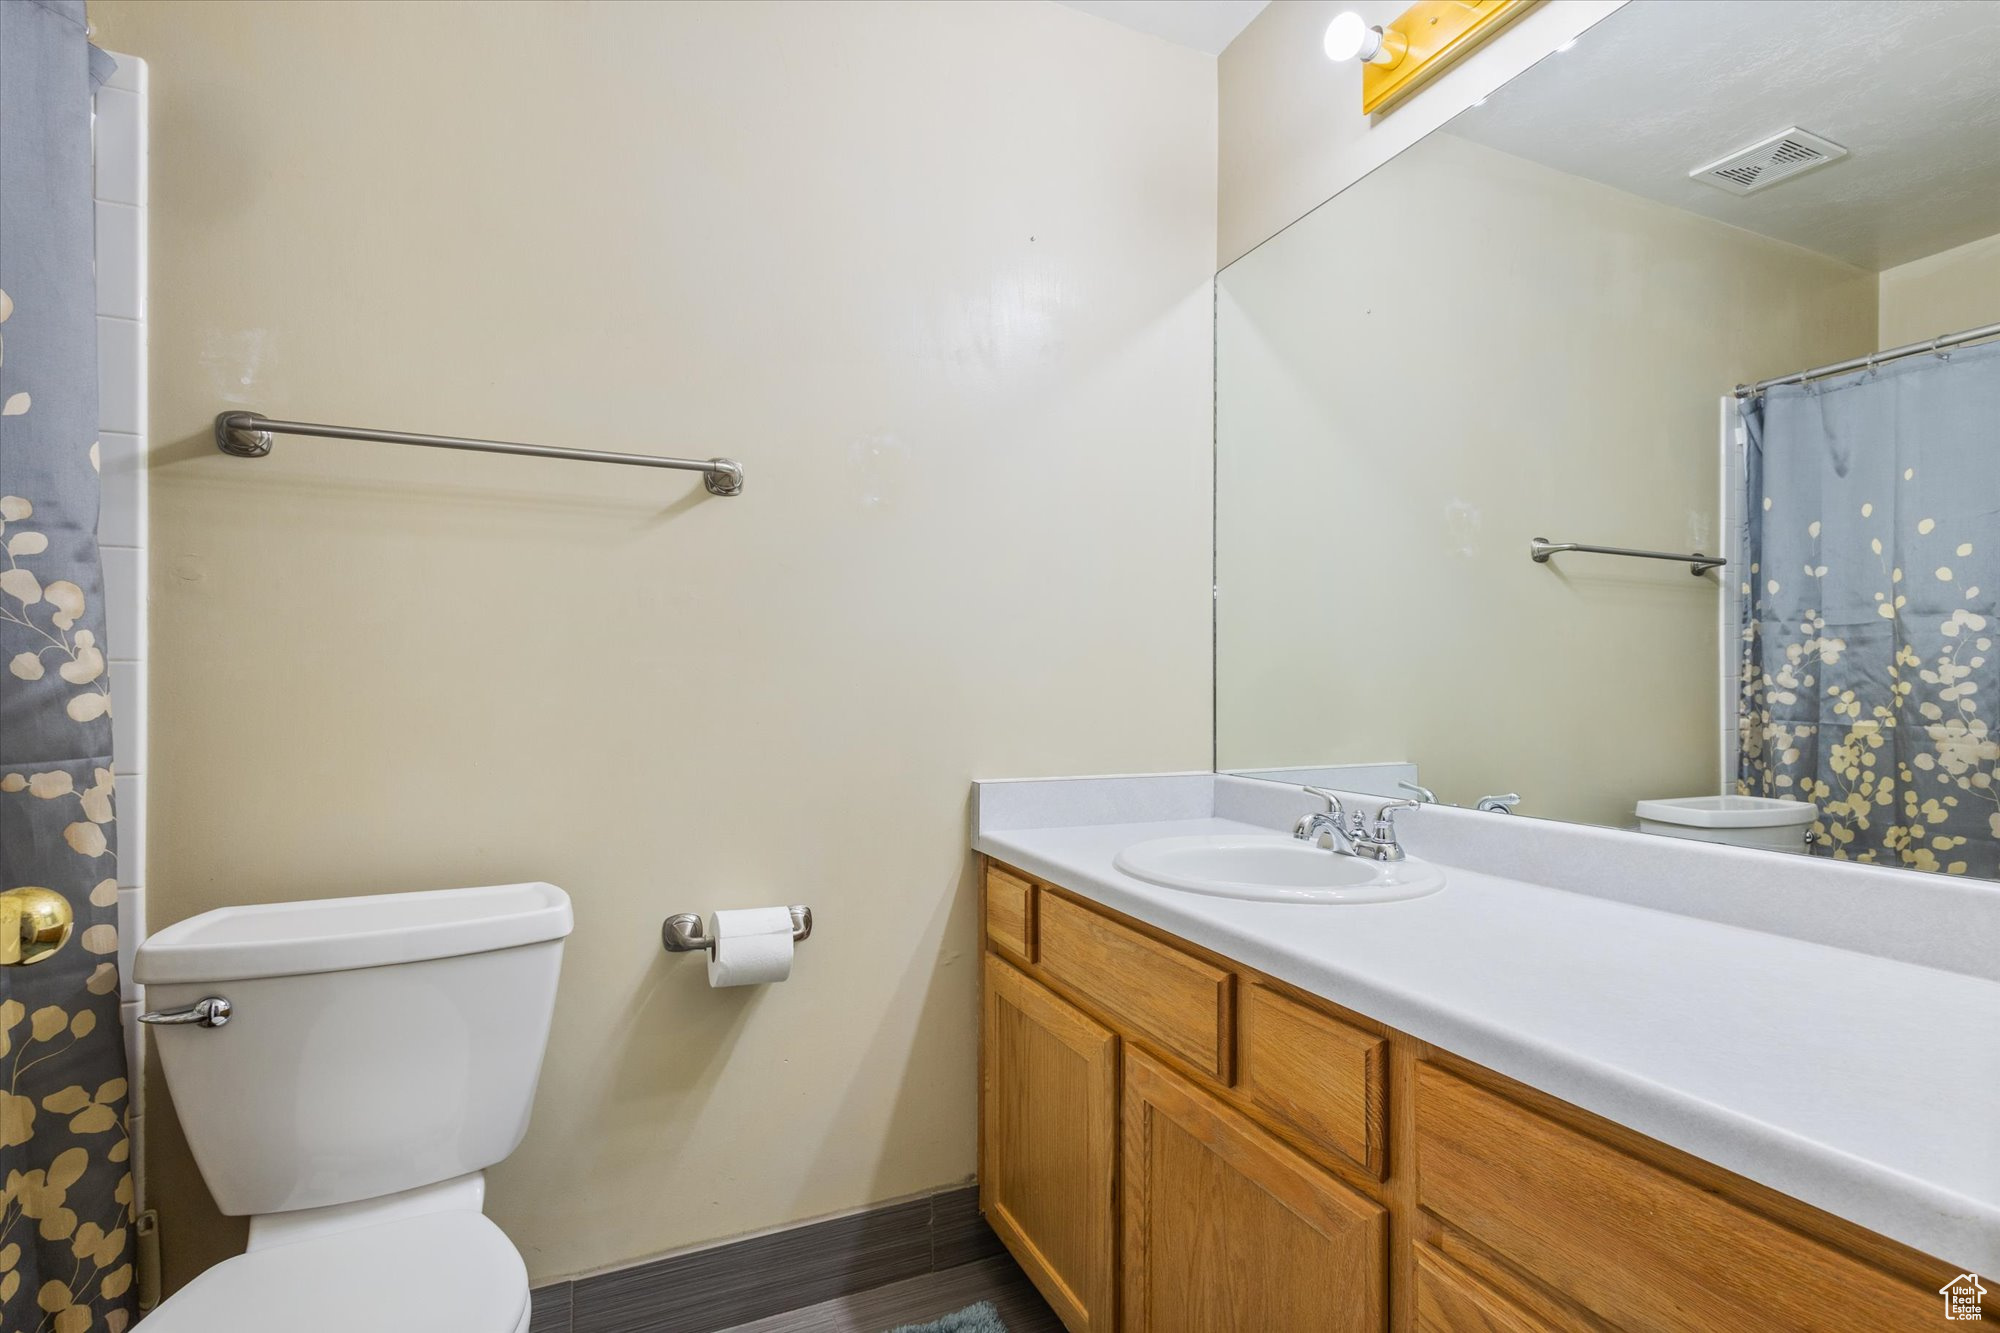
x=916 y=1299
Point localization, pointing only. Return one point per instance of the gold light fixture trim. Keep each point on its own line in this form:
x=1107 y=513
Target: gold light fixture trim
x=1424 y=41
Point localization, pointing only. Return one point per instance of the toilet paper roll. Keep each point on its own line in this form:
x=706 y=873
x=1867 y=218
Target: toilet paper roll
x=753 y=947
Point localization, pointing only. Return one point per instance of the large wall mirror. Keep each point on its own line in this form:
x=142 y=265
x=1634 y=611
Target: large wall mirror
x=1657 y=293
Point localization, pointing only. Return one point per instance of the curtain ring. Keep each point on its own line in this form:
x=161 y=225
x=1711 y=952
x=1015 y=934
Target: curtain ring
x=1941 y=353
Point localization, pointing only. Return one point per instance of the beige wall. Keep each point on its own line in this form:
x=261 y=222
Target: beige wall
x=936 y=273
x=1293 y=134
x=1941 y=293
x=1402 y=405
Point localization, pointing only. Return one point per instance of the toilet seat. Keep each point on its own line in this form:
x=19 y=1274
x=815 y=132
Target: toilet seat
x=452 y=1272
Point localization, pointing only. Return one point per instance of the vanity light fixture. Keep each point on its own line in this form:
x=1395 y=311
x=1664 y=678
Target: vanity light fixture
x=1398 y=58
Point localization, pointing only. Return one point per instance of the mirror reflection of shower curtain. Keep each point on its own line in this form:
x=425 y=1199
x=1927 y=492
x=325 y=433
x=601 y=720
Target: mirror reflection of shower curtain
x=1871 y=609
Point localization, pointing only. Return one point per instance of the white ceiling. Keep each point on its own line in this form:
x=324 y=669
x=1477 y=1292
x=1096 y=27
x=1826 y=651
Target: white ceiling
x=1911 y=88
x=1205 y=25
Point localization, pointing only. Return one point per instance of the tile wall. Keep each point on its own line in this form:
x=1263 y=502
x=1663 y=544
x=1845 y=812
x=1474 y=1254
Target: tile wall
x=119 y=157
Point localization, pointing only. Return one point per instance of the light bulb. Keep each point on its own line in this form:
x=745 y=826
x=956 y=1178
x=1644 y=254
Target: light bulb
x=1346 y=37
x=1349 y=37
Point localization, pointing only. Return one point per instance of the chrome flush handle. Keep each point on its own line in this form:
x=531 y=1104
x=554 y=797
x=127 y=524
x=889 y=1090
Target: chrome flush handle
x=212 y=1012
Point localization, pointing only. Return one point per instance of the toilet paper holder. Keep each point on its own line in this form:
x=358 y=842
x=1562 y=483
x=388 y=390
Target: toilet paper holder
x=683 y=931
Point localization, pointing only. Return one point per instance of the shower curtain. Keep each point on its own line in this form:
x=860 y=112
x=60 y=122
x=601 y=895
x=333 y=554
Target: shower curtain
x=66 y=1224
x=1871 y=624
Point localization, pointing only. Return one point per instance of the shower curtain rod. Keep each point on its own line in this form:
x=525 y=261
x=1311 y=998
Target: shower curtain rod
x=248 y=435
x=1938 y=344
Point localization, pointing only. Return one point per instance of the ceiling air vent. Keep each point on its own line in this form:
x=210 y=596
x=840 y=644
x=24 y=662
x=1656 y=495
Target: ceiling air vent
x=1762 y=165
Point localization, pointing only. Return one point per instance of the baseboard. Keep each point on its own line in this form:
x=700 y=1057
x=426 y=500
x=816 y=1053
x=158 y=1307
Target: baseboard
x=720 y=1286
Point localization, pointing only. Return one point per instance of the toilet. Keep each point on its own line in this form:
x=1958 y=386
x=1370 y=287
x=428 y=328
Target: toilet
x=345 y=1071
x=1768 y=823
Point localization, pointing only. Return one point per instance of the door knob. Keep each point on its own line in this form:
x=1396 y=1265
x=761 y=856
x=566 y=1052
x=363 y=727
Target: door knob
x=34 y=923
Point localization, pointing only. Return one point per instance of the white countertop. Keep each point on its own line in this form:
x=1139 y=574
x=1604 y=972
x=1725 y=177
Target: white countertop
x=1866 y=1086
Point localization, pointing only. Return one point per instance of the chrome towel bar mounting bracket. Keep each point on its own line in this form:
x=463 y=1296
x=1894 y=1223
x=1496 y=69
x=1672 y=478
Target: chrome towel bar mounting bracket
x=248 y=435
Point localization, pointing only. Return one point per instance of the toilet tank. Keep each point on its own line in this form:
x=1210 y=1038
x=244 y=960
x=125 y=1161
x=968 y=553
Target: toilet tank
x=372 y=1045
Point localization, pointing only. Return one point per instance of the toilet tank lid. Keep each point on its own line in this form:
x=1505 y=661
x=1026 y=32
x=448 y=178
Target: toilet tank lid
x=1728 y=811
x=337 y=934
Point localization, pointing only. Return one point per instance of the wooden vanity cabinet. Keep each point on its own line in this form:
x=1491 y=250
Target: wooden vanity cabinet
x=1171 y=1142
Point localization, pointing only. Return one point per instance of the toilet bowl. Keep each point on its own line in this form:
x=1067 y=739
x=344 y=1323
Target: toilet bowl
x=374 y=1057
x=1765 y=822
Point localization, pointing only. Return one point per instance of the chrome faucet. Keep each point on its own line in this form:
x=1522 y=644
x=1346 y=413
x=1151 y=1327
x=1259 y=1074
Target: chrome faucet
x=1502 y=804
x=1379 y=843
x=1329 y=823
x=1356 y=837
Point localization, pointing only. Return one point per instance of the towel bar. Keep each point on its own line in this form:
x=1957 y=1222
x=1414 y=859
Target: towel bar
x=1541 y=548
x=248 y=435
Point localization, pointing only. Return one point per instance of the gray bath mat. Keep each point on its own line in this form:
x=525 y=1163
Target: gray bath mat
x=980 y=1318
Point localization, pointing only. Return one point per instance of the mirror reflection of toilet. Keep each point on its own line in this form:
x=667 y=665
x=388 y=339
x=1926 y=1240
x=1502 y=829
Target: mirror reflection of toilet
x=1768 y=823
x=373 y=1057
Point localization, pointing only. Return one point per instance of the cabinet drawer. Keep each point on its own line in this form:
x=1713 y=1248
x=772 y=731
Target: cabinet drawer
x=1315 y=1074
x=1010 y=913
x=1451 y=1300
x=1155 y=992
x=1633 y=1244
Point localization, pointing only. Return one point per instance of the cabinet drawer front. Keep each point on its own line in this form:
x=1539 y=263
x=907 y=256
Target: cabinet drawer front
x=1155 y=992
x=1451 y=1300
x=1635 y=1245
x=1316 y=1074
x=1010 y=913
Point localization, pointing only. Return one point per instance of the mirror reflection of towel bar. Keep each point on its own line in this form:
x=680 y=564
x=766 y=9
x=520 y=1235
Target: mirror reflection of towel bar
x=1541 y=548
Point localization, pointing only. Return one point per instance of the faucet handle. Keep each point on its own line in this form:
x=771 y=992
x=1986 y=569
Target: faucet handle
x=1499 y=805
x=1331 y=798
x=1351 y=827
x=1385 y=818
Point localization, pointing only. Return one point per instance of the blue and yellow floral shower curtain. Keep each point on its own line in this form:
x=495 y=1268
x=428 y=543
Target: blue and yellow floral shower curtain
x=66 y=1224
x=1871 y=628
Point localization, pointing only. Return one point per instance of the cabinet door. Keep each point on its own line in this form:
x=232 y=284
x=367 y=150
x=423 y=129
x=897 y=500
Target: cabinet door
x=1049 y=1144
x=1227 y=1230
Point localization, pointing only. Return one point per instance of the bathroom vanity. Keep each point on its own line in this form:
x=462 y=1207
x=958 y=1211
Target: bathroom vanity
x=1173 y=1137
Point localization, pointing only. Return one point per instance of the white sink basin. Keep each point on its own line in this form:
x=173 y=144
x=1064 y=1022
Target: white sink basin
x=1274 y=867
